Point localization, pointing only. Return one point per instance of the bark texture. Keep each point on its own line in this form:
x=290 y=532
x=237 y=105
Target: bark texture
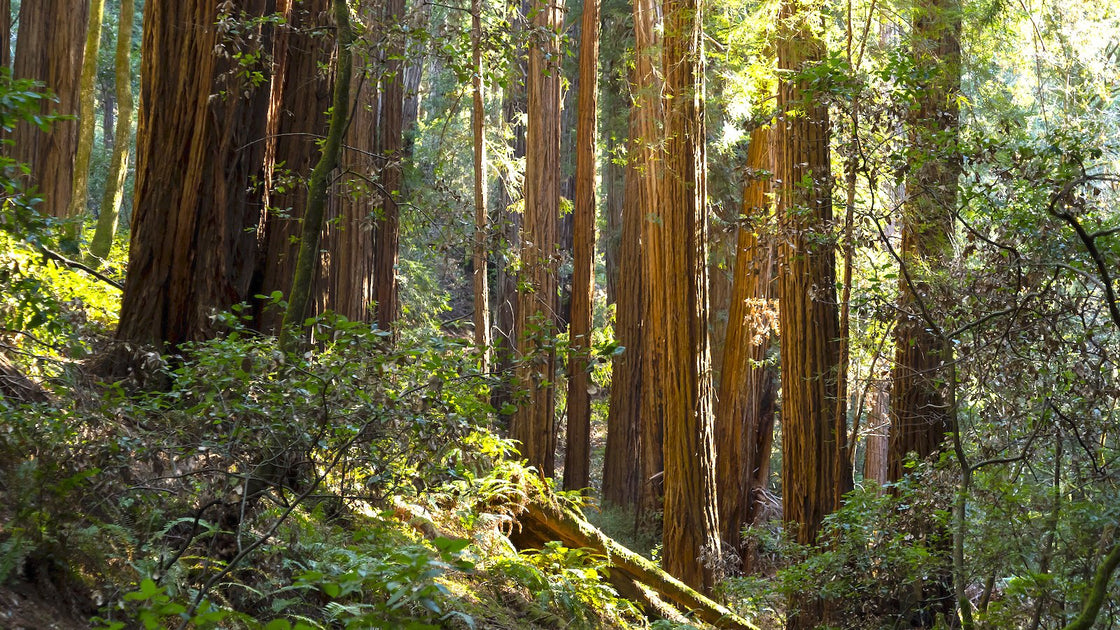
x=296 y=120
x=690 y=541
x=814 y=463
x=392 y=142
x=577 y=463
x=533 y=424
x=646 y=142
x=745 y=413
x=52 y=35
x=318 y=185
x=109 y=217
x=198 y=150
x=919 y=416
x=480 y=272
x=6 y=34
x=87 y=109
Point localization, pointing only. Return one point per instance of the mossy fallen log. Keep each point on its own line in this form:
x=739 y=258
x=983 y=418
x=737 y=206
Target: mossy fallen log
x=633 y=575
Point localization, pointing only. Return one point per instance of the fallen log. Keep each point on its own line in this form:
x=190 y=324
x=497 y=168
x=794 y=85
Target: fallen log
x=630 y=573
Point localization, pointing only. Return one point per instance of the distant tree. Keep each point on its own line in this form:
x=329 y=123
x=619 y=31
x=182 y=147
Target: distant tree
x=87 y=110
x=507 y=229
x=113 y=196
x=52 y=35
x=481 y=212
x=533 y=424
x=577 y=463
x=690 y=541
x=198 y=153
x=919 y=416
x=919 y=412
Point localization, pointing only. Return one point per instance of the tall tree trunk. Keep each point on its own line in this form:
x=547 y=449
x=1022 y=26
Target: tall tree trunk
x=109 y=114
x=919 y=420
x=87 y=110
x=509 y=220
x=648 y=153
x=192 y=247
x=481 y=273
x=690 y=548
x=318 y=186
x=297 y=118
x=107 y=220
x=745 y=413
x=49 y=49
x=347 y=267
x=533 y=424
x=814 y=463
x=623 y=461
x=413 y=73
x=577 y=463
x=920 y=415
x=388 y=226
x=6 y=34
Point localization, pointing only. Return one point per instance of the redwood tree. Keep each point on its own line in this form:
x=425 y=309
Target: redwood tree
x=198 y=150
x=646 y=142
x=919 y=417
x=392 y=142
x=52 y=37
x=577 y=463
x=480 y=271
x=533 y=423
x=814 y=466
x=745 y=413
x=690 y=537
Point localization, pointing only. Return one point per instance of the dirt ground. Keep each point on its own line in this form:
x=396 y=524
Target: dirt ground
x=24 y=607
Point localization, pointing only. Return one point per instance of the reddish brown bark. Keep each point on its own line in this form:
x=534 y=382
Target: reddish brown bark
x=622 y=463
x=919 y=416
x=392 y=143
x=533 y=424
x=193 y=222
x=647 y=152
x=814 y=462
x=577 y=462
x=301 y=94
x=745 y=413
x=690 y=541
x=52 y=35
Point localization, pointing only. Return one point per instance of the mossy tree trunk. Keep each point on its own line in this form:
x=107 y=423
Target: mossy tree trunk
x=87 y=110
x=317 y=187
x=107 y=220
x=480 y=273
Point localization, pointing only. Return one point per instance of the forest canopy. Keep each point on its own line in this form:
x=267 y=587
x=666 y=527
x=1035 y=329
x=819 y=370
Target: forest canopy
x=473 y=314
